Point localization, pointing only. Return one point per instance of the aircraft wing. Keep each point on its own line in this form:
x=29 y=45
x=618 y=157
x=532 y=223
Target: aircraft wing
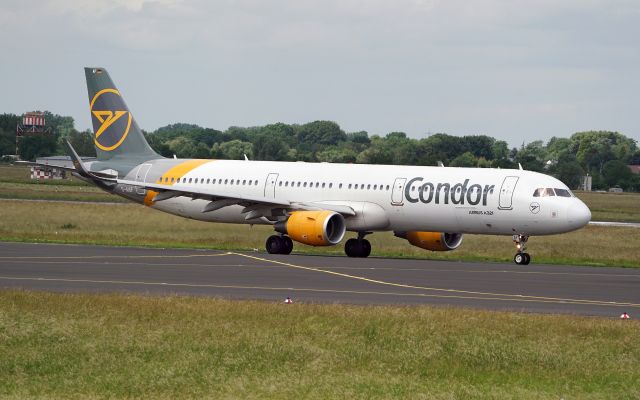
x=255 y=207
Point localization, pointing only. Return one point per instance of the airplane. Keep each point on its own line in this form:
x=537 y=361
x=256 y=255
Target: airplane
x=317 y=203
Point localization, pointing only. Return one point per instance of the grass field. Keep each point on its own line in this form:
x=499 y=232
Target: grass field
x=135 y=225
x=105 y=346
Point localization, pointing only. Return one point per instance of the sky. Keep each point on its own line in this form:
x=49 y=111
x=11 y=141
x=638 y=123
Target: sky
x=516 y=70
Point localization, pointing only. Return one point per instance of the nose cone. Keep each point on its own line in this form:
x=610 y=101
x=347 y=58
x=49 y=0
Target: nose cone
x=578 y=214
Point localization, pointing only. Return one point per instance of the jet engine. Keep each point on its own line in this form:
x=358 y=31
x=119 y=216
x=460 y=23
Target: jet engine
x=434 y=241
x=315 y=228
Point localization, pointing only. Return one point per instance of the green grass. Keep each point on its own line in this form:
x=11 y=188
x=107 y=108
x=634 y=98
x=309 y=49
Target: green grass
x=10 y=173
x=620 y=207
x=135 y=225
x=52 y=191
x=124 y=346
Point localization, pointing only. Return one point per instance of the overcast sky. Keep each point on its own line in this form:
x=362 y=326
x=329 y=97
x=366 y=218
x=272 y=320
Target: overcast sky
x=515 y=70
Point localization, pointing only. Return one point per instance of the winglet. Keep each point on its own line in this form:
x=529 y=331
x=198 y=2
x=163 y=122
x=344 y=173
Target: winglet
x=77 y=162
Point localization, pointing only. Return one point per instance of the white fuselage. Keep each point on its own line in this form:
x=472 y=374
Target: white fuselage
x=384 y=197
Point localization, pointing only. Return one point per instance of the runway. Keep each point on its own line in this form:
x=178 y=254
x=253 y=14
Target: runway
x=308 y=279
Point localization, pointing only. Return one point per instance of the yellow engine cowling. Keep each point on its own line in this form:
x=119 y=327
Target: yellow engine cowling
x=315 y=228
x=434 y=241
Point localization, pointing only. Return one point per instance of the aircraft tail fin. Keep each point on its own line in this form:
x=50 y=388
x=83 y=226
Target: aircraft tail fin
x=116 y=133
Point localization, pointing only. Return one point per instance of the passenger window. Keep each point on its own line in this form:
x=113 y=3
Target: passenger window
x=330 y=185
x=563 y=192
x=280 y=183
x=340 y=186
x=305 y=184
x=323 y=185
x=375 y=187
x=317 y=184
x=368 y=187
x=387 y=187
x=172 y=179
x=349 y=186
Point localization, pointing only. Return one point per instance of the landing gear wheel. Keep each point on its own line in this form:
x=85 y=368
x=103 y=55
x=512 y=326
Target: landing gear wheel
x=360 y=248
x=522 y=258
x=351 y=248
x=287 y=245
x=366 y=248
x=274 y=244
x=279 y=244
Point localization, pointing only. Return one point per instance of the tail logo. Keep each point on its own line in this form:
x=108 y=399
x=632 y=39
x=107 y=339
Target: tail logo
x=111 y=119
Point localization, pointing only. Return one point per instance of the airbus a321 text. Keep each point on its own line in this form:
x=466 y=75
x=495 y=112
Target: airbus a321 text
x=316 y=203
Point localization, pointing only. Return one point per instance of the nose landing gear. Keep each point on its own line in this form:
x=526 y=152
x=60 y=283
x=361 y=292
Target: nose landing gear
x=521 y=257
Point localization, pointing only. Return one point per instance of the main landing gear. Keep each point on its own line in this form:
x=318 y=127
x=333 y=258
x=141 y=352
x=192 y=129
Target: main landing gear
x=277 y=244
x=360 y=247
x=521 y=257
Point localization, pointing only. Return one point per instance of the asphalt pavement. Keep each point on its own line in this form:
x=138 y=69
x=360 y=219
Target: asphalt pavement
x=600 y=291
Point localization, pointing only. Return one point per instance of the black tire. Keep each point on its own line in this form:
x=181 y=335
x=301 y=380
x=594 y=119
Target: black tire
x=519 y=258
x=351 y=248
x=365 y=248
x=527 y=259
x=287 y=243
x=274 y=244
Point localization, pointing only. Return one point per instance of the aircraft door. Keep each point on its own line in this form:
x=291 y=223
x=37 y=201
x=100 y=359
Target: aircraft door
x=397 y=195
x=270 y=186
x=506 y=193
x=141 y=176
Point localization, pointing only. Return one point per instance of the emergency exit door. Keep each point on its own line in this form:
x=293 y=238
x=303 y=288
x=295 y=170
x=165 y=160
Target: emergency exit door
x=270 y=186
x=398 y=192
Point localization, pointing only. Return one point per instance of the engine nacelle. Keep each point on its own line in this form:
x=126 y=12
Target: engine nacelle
x=315 y=228
x=434 y=241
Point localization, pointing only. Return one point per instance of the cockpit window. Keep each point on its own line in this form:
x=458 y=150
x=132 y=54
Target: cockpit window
x=563 y=192
x=544 y=192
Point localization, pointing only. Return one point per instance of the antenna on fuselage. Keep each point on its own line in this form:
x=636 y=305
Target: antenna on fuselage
x=520 y=166
x=440 y=164
x=245 y=157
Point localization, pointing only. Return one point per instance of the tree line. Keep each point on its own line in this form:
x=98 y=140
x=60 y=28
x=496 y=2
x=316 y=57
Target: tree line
x=604 y=155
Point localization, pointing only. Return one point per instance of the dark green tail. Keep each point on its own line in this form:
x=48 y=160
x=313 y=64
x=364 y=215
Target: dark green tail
x=116 y=133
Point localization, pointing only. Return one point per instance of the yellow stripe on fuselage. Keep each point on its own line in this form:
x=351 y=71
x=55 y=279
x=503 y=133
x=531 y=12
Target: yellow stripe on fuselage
x=175 y=172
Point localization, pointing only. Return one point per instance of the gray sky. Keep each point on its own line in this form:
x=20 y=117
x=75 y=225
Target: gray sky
x=515 y=70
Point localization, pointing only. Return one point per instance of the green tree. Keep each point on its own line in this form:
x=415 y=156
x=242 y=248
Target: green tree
x=337 y=155
x=465 y=159
x=270 y=148
x=532 y=156
x=32 y=147
x=232 y=150
x=616 y=173
x=82 y=142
